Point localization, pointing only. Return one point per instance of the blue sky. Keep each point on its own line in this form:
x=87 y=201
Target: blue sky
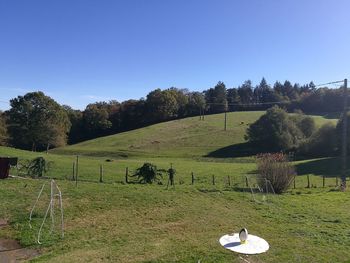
x=81 y=51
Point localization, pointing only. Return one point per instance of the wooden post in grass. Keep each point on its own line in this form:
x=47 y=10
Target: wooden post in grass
x=73 y=172
x=308 y=181
x=246 y=182
x=192 y=178
x=101 y=173
x=126 y=174
x=323 y=181
x=295 y=177
x=76 y=171
x=229 y=180
x=213 y=177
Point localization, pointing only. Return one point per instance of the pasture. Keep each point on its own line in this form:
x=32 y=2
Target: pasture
x=117 y=222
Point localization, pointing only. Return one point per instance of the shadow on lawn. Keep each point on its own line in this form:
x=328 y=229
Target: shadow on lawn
x=237 y=150
x=329 y=167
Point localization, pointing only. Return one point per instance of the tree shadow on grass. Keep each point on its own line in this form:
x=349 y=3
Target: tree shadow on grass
x=236 y=150
x=329 y=167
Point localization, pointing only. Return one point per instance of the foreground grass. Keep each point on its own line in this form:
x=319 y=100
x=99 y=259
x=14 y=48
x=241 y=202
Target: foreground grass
x=146 y=223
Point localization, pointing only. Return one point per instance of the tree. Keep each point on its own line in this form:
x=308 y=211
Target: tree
x=36 y=121
x=3 y=130
x=245 y=92
x=76 y=133
x=263 y=93
x=196 y=103
x=182 y=99
x=233 y=98
x=322 y=143
x=339 y=131
x=274 y=131
x=161 y=105
x=216 y=98
x=96 y=119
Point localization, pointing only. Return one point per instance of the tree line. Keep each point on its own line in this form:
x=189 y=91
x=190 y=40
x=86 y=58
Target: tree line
x=37 y=122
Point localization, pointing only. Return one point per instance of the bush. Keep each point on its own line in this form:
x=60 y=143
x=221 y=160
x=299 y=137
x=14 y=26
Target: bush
x=148 y=173
x=275 y=131
x=322 y=143
x=275 y=168
x=38 y=167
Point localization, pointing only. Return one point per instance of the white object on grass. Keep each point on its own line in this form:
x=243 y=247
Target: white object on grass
x=51 y=207
x=252 y=245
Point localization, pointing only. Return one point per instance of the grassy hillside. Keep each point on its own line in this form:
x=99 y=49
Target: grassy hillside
x=188 y=137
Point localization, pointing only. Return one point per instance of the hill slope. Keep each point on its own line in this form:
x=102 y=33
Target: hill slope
x=187 y=137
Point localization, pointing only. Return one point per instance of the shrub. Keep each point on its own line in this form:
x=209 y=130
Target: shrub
x=148 y=173
x=275 y=131
x=322 y=143
x=38 y=167
x=275 y=168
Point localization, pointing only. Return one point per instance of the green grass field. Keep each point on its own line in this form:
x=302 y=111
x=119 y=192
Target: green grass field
x=118 y=222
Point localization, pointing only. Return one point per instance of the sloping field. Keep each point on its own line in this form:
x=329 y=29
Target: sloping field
x=187 y=137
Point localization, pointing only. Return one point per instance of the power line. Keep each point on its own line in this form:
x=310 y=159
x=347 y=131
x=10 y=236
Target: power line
x=330 y=83
x=251 y=104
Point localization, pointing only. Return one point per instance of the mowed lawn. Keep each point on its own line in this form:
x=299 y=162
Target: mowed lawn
x=118 y=222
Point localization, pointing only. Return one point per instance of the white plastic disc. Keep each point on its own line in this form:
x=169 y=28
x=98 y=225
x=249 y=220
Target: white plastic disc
x=253 y=244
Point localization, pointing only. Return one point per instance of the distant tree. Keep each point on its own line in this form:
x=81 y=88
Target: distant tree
x=182 y=99
x=96 y=119
x=3 y=130
x=274 y=131
x=132 y=115
x=216 y=98
x=233 y=98
x=263 y=93
x=196 y=103
x=245 y=92
x=161 y=105
x=35 y=121
x=76 y=132
x=289 y=90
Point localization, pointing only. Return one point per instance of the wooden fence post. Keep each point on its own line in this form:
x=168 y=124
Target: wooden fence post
x=323 y=181
x=76 y=171
x=213 y=179
x=126 y=175
x=101 y=173
x=192 y=178
x=246 y=182
x=73 y=172
x=308 y=181
x=295 y=177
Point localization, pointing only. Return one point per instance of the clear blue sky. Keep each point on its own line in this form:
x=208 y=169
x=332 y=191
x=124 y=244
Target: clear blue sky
x=81 y=51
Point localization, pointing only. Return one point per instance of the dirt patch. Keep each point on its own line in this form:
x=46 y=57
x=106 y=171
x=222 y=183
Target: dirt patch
x=11 y=251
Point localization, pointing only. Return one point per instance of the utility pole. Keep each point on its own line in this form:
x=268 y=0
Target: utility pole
x=344 y=139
